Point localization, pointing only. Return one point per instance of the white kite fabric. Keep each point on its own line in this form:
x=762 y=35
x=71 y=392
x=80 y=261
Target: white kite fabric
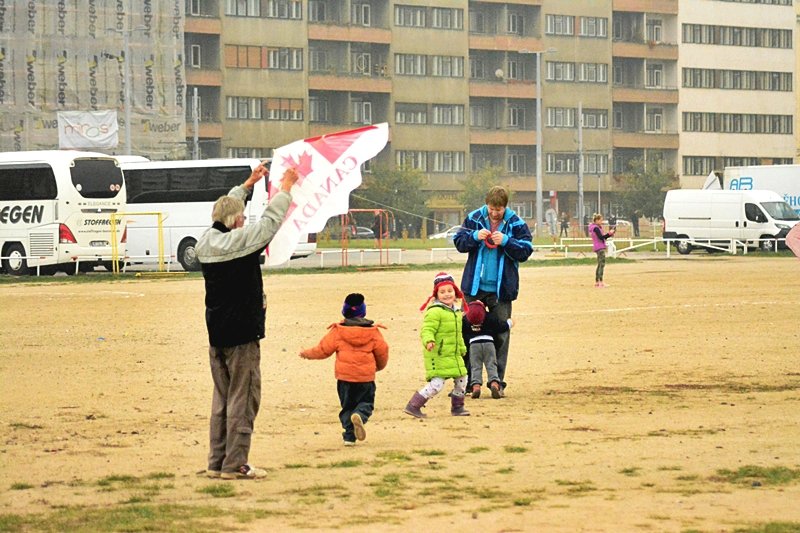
x=793 y=239
x=330 y=168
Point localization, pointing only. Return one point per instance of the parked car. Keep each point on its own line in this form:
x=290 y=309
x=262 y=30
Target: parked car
x=448 y=234
x=353 y=232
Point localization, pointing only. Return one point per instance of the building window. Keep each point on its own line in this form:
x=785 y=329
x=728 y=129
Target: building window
x=516 y=117
x=317 y=109
x=243 y=8
x=409 y=16
x=285 y=9
x=477 y=68
x=594 y=73
x=559 y=25
x=410 y=64
x=561 y=117
x=318 y=61
x=449 y=115
x=655 y=75
x=414 y=159
x=194 y=8
x=410 y=113
x=516 y=163
x=563 y=163
x=699 y=78
x=244 y=107
x=515 y=70
x=654 y=120
x=737 y=36
x=361 y=14
x=595 y=118
x=285 y=58
x=698 y=165
x=477 y=22
x=256 y=153
x=448 y=66
x=516 y=23
x=317 y=11
x=594 y=27
x=362 y=112
x=477 y=116
x=447 y=18
x=595 y=163
x=447 y=161
x=560 y=71
x=654 y=30
x=194 y=60
x=284 y=109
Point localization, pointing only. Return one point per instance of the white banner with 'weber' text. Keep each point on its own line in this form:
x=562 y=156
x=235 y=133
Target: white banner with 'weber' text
x=88 y=129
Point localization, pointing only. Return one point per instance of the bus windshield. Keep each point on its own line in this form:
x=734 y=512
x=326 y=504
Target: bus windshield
x=780 y=210
x=96 y=178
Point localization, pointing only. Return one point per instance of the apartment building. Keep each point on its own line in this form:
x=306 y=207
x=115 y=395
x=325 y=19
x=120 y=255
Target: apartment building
x=738 y=73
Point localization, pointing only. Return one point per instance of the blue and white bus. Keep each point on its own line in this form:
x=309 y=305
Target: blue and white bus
x=55 y=210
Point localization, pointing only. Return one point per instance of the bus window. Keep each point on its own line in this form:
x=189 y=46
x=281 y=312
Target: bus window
x=26 y=182
x=96 y=178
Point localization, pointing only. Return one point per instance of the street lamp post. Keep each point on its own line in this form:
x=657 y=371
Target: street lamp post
x=539 y=196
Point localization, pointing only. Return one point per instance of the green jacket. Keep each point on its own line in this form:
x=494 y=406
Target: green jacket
x=442 y=325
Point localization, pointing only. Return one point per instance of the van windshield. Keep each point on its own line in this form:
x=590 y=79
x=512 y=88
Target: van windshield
x=780 y=210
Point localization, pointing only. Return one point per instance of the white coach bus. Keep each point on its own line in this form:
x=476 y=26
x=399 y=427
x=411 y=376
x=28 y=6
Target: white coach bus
x=55 y=210
x=185 y=192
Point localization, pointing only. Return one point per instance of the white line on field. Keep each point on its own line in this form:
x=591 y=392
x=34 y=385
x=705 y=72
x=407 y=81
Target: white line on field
x=657 y=307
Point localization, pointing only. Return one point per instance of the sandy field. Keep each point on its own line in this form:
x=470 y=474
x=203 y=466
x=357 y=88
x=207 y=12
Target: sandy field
x=666 y=402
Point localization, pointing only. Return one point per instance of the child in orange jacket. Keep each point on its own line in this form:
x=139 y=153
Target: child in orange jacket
x=360 y=352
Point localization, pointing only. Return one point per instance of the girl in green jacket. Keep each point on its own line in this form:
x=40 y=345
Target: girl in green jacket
x=443 y=348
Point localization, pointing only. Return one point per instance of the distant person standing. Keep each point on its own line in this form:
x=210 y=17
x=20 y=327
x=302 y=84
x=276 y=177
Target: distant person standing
x=635 y=221
x=564 y=225
x=551 y=216
x=599 y=247
x=497 y=240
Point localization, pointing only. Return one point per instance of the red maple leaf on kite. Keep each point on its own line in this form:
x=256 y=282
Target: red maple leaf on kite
x=302 y=165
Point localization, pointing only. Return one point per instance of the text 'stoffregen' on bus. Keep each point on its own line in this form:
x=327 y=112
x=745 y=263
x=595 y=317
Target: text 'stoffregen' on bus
x=55 y=210
x=184 y=193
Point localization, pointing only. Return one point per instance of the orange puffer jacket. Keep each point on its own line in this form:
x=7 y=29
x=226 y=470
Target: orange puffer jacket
x=360 y=351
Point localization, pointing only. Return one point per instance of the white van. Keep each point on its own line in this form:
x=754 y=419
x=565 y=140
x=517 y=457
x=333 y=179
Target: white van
x=694 y=218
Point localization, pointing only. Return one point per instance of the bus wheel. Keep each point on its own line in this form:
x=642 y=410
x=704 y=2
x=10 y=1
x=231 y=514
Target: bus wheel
x=15 y=265
x=187 y=255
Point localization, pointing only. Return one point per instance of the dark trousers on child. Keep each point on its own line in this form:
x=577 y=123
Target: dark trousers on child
x=355 y=398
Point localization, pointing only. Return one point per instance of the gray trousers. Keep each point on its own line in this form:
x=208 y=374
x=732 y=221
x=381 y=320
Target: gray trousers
x=236 y=372
x=482 y=354
x=502 y=310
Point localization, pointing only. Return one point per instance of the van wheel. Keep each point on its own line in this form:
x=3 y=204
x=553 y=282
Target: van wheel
x=16 y=264
x=187 y=255
x=683 y=247
x=767 y=245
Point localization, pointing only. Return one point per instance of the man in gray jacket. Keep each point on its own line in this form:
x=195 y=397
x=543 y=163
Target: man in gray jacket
x=235 y=312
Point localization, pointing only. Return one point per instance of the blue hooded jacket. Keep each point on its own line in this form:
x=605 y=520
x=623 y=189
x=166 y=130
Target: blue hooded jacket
x=517 y=246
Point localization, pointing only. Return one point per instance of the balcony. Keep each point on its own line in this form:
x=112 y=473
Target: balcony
x=502 y=89
x=646 y=95
x=207 y=25
x=643 y=139
x=510 y=42
x=509 y=137
x=205 y=130
x=645 y=50
x=356 y=34
x=668 y=7
x=333 y=80
x=203 y=77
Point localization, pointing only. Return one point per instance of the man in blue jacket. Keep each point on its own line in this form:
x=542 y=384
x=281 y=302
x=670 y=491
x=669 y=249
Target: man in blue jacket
x=497 y=240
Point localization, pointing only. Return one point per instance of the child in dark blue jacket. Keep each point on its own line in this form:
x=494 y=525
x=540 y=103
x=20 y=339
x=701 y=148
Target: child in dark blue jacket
x=479 y=333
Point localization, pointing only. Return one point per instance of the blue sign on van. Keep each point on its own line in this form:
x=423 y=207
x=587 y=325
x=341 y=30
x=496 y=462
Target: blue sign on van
x=745 y=183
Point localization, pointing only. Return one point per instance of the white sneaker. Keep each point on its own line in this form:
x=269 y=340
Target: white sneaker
x=245 y=472
x=349 y=443
x=358 y=426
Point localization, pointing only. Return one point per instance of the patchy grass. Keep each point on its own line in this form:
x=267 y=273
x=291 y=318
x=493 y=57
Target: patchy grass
x=295 y=466
x=771 y=527
x=165 y=518
x=347 y=463
x=630 y=471
x=219 y=490
x=577 y=487
x=752 y=475
x=394 y=456
x=478 y=449
x=21 y=486
x=515 y=449
x=24 y=425
x=430 y=453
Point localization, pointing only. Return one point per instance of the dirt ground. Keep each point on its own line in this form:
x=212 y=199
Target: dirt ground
x=630 y=408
